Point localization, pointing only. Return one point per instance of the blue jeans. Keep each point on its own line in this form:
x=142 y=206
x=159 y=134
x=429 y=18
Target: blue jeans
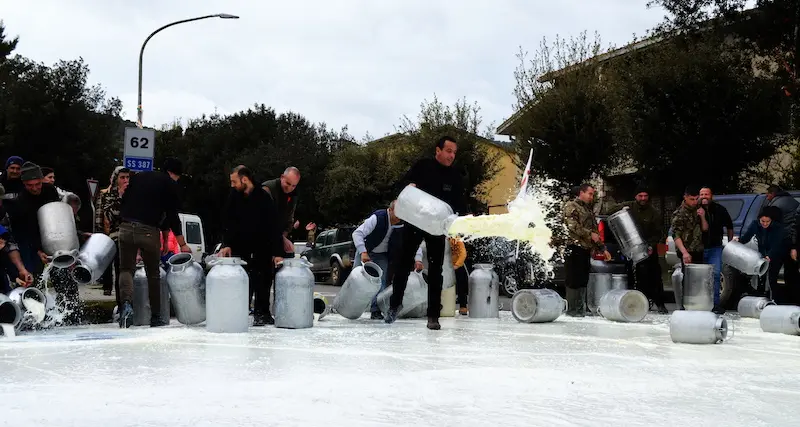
x=382 y=259
x=713 y=256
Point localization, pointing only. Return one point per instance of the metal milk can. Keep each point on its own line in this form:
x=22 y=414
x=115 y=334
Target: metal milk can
x=424 y=211
x=484 y=292
x=752 y=306
x=227 y=296
x=623 y=305
x=94 y=258
x=448 y=302
x=698 y=327
x=141 y=296
x=448 y=271
x=186 y=281
x=294 y=295
x=10 y=312
x=781 y=319
x=415 y=298
x=30 y=316
x=744 y=258
x=58 y=233
x=537 y=305
x=619 y=281
x=677 y=286
x=630 y=240
x=356 y=294
x=599 y=285
x=698 y=287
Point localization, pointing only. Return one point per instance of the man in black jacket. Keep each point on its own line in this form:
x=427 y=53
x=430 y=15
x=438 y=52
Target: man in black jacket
x=252 y=231
x=150 y=197
x=435 y=176
x=778 y=197
x=717 y=218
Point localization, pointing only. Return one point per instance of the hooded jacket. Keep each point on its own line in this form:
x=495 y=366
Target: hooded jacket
x=773 y=241
x=788 y=206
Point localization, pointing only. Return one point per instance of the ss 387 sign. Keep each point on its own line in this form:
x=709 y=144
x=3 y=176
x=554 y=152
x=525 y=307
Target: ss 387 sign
x=139 y=149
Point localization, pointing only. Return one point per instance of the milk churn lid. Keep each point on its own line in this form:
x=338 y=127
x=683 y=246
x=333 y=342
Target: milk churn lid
x=483 y=266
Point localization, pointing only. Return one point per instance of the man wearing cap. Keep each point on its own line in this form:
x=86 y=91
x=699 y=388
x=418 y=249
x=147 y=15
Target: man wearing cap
x=24 y=218
x=647 y=273
x=10 y=180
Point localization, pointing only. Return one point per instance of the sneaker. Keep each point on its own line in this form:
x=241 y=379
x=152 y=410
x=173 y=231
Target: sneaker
x=463 y=311
x=156 y=322
x=662 y=309
x=376 y=315
x=391 y=316
x=718 y=310
x=262 y=320
x=433 y=324
x=126 y=315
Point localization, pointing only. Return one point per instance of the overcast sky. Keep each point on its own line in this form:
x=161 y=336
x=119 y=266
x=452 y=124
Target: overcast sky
x=361 y=63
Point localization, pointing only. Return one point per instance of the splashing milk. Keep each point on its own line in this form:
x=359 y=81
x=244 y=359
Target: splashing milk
x=7 y=330
x=525 y=221
x=35 y=307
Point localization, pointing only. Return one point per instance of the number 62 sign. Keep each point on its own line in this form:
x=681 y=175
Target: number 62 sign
x=139 y=148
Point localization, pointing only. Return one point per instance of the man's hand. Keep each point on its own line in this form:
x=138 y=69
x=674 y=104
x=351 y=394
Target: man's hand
x=736 y=239
x=224 y=252
x=595 y=237
x=296 y=224
x=43 y=257
x=607 y=255
x=364 y=257
x=277 y=260
x=412 y=185
x=766 y=258
x=288 y=246
x=649 y=250
x=186 y=249
x=687 y=259
x=2 y=243
x=26 y=277
x=794 y=254
x=138 y=257
x=701 y=212
x=418 y=266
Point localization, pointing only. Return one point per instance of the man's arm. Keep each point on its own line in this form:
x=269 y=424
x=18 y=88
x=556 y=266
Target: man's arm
x=361 y=233
x=678 y=229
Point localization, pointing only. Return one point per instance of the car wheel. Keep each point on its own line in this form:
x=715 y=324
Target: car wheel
x=336 y=274
x=509 y=287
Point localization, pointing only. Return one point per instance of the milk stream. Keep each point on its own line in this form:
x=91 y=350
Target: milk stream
x=36 y=308
x=7 y=330
x=525 y=222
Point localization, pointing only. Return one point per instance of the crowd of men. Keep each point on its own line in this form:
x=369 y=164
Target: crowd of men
x=698 y=226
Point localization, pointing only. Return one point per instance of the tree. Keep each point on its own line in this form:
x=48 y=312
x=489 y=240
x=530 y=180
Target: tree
x=689 y=111
x=6 y=46
x=565 y=120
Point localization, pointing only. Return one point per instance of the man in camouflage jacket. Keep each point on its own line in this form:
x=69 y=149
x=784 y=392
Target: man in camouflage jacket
x=583 y=241
x=688 y=225
x=647 y=273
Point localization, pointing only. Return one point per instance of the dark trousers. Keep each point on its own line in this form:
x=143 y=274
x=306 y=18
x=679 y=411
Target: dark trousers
x=791 y=280
x=647 y=278
x=260 y=271
x=110 y=278
x=462 y=285
x=577 y=265
x=132 y=238
x=404 y=265
x=779 y=293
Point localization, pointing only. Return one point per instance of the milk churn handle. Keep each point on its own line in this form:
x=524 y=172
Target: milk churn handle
x=566 y=305
x=731 y=329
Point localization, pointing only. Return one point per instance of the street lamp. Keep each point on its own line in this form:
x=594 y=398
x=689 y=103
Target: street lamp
x=141 y=53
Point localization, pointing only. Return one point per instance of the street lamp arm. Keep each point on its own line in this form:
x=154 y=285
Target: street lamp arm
x=141 y=51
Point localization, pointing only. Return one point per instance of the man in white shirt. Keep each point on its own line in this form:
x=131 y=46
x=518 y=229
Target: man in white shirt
x=374 y=241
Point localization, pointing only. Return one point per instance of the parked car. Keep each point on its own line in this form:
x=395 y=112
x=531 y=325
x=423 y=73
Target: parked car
x=743 y=209
x=192 y=230
x=332 y=255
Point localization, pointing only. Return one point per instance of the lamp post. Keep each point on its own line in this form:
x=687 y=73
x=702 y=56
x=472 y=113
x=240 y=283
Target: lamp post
x=141 y=54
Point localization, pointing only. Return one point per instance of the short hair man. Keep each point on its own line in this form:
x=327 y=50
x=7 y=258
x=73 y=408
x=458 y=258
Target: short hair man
x=283 y=191
x=717 y=218
x=688 y=224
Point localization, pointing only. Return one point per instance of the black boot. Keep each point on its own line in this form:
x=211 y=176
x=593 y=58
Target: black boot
x=433 y=324
x=263 y=319
x=156 y=321
x=376 y=315
x=573 y=302
x=582 y=299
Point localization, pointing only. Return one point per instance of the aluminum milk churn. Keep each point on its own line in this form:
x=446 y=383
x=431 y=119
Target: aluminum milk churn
x=781 y=319
x=698 y=327
x=58 y=233
x=619 y=281
x=537 y=305
x=33 y=305
x=448 y=302
x=484 y=292
x=415 y=298
x=448 y=272
x=677 y=286
x=141 y=296
x=294 y=295
x=94 y=258
x=424 y=211
x=599 y=284
x=10 y=313
x=744 y=258
x=356 y=294
x=227 y=296
x=187 y=288
x=698 y=287
x=752 y=306
x=623 y=305
x=624 y=228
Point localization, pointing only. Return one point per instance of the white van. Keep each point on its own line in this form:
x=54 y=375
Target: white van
x=192 y=229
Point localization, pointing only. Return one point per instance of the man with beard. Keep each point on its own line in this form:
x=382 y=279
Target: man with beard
x=252 y=231
x=283 y=192
x=647 y=273
x=688 y=224
x=717 y=218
